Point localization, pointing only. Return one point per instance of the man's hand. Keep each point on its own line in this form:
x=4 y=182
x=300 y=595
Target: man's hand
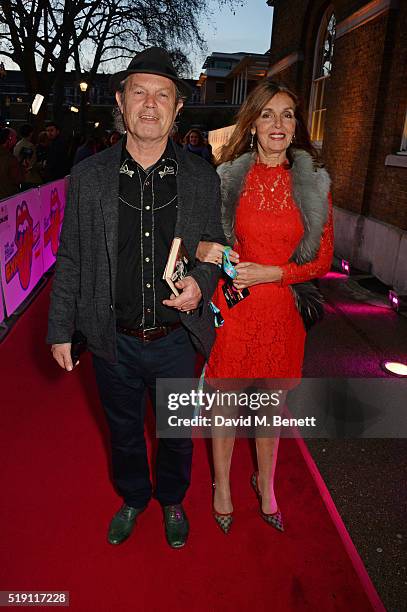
x=249 y=274
x=62 y=355
x=212 y=252
x=190 y=297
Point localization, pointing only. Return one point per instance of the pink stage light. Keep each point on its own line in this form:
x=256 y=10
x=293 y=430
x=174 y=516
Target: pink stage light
x=345 y=266
x=394 y=300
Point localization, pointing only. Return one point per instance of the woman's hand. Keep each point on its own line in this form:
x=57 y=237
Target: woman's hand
x=212 y=252
x=249 y=274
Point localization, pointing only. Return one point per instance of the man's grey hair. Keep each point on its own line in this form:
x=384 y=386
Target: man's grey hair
x=118 y=120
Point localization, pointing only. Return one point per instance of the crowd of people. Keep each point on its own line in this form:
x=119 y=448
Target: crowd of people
x=29 y=162
x=34 y=160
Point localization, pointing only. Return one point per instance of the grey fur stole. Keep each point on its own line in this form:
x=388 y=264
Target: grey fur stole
x=310 y=192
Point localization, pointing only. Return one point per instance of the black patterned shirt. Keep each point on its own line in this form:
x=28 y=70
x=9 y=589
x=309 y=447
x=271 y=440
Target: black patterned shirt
x=147 y=218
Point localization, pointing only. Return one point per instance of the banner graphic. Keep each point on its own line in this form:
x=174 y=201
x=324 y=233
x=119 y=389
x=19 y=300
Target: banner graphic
x=20 y=247
x=52 y=198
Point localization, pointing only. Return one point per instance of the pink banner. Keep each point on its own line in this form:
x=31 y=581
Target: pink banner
x=52 y=198
x=1 y=305
x=20 y=247
x=3 y=214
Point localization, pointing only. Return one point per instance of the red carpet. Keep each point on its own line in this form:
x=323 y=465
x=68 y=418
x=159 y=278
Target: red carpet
x=57 y=502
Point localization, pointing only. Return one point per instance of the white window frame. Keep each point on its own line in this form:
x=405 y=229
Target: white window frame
x=317 y=79
x=399 y=159
x=403 y=145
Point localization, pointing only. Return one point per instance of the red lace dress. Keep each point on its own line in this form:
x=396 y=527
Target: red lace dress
x=263 y=335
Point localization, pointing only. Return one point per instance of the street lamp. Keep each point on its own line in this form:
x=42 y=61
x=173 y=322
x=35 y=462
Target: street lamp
x=36 y=105
x=83 y=86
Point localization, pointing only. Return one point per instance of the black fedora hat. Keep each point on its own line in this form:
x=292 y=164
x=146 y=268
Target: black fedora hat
x=151 y=61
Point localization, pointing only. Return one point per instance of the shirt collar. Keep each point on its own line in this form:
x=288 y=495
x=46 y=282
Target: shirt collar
x=168 y=155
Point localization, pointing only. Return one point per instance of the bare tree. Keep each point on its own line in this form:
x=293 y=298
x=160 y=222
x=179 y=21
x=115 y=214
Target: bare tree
x=44 y=37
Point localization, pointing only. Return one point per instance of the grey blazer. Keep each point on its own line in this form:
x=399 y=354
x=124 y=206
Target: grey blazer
x=83 y=292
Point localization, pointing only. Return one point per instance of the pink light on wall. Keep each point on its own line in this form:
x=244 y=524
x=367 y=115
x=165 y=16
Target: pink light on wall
x=363 y=310
x=334 y=276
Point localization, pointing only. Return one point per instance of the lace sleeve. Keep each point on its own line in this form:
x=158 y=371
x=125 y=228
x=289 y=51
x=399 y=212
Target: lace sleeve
x=295 y=273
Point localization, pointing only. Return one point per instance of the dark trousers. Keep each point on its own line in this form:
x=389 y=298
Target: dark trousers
x=122 y=388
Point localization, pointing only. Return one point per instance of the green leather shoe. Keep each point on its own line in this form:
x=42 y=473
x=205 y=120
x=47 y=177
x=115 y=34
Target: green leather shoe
x=176 y=525
x=122 y=524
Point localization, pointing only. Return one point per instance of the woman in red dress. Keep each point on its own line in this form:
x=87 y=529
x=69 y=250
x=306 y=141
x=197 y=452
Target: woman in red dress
x=276 y=213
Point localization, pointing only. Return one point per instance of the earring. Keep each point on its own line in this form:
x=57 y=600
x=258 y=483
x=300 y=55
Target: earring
x=252 y=140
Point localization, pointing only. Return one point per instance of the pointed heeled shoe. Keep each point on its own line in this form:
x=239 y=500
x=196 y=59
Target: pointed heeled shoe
x=275 y=519
x=224 y=521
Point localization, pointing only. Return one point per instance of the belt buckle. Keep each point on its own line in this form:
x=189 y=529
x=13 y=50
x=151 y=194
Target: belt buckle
x=146 y=339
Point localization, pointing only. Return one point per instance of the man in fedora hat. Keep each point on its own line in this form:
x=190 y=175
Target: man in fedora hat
x=124 y=207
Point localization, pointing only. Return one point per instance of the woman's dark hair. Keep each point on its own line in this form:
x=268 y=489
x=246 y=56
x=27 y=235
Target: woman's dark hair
x=201 y=142
x=4 y=135
x=250 y=110
x=26 y=130
x=52 y=124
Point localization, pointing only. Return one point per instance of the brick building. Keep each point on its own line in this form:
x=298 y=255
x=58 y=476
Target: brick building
x=347 y=60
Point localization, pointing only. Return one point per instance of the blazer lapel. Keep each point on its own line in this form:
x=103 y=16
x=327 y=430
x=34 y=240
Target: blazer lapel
x=186 y=189
x=109 y=187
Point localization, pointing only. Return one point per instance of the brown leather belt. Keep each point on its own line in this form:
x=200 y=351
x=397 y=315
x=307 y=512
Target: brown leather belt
x=150 y=333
